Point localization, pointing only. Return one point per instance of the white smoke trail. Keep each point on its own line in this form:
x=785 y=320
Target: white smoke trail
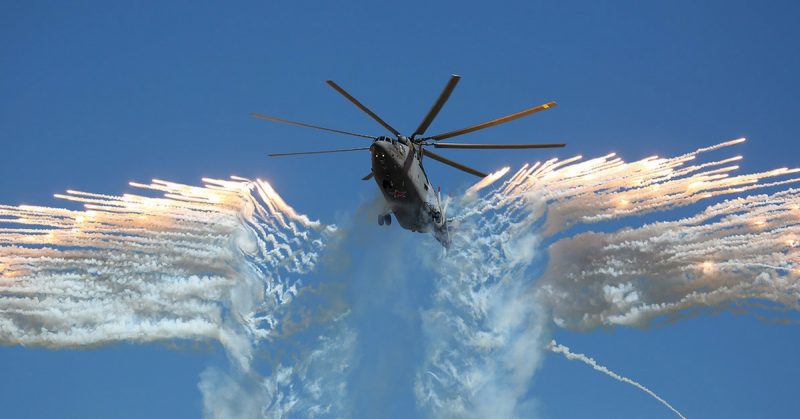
x=228 y=262
x=310 y=384
x=553 y=346
x=488 y=308
x=217 y=262
x=232 y=262
x=481 y=327
x=628 y=277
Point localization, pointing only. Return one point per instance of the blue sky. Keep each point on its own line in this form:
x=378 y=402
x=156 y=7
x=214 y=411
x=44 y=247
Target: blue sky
x=97 y=94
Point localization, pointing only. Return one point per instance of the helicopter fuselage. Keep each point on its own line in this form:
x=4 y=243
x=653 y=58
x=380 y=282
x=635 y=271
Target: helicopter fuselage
x=398 y=171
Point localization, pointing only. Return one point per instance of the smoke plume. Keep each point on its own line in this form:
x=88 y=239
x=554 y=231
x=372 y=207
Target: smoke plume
x=320 y=320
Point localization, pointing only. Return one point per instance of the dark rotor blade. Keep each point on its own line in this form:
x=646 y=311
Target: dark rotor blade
x=437 y=106
x=362 y=107
x=451 y=163
x=493 y=122
x=318 y=152
x=496 y=146
x=368 y=177
x=286 y=121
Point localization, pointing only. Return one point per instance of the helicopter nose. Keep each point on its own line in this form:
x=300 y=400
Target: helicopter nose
x=379 y=151
x=382 y=147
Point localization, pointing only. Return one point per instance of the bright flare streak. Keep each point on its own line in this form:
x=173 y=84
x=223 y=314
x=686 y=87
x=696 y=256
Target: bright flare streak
x=488 y=180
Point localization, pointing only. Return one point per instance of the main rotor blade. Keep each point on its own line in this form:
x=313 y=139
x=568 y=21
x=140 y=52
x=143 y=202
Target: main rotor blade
x=493 y=122
x=437 y=106
x=451 y=163
x=286 y=121
x=318 y=152
x=362 y=107
x=496 y=146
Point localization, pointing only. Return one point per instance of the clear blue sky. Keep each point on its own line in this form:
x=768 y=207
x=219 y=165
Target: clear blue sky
x=96 y=94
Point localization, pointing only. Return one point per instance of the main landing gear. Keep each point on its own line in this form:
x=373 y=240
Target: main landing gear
x=385 y=219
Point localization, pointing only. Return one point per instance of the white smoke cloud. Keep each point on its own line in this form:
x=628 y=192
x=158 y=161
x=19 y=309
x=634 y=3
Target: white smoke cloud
x=482 y=330
x=488 y=308
x=202 y=263
x=231 y=397
x=737 y=251
x=457 y=335
x=311 y=384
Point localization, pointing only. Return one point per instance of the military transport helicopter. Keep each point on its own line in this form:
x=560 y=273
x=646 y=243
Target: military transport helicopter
x=397 y=163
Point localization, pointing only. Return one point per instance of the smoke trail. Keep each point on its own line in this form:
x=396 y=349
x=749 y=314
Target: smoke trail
x=479 y=331
x=553 y=346
x=737 y=250
x=218 y=262
x=232 y=262
x=489 y=307
x=631 y=276
x=309 y=382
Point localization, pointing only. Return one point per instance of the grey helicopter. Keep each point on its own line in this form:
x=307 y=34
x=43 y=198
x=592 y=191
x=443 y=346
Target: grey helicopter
x=397 y=163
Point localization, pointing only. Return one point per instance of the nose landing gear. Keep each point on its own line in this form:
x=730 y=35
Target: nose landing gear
x=385 y=219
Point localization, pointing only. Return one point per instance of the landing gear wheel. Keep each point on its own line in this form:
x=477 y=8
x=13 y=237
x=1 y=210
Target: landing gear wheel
x=380 y=219
x=388 y=219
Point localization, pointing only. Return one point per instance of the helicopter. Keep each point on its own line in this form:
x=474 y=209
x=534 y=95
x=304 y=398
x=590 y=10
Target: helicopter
x=397 y=162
